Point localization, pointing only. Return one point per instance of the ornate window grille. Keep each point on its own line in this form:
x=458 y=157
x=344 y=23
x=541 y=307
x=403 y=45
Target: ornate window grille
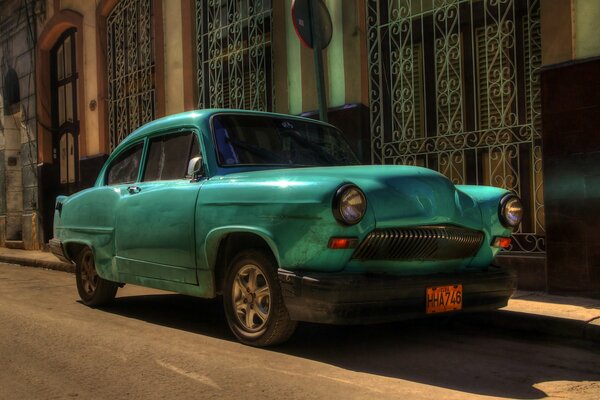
x=454 y=86
x=233 y=54
x=130 y=57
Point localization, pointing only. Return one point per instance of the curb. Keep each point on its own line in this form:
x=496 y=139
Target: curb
x=539 y=324
x=31 y=262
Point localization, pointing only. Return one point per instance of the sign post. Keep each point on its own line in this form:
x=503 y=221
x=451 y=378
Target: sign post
x=313 y=26
x=318 y=60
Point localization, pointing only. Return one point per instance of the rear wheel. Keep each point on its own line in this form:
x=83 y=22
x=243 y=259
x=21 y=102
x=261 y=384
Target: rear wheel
x=93 y=290
x=253 y=302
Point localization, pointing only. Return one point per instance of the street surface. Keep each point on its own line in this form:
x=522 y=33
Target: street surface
x=155 y=345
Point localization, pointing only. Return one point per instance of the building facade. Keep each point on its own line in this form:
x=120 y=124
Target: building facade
x=494 y=92
x=19 y=175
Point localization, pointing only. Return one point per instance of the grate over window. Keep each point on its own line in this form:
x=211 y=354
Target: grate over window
x=454 y=86
x=233 y=54
x=131 y=73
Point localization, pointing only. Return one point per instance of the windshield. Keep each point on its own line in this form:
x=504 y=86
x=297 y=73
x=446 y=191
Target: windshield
x=264 y=140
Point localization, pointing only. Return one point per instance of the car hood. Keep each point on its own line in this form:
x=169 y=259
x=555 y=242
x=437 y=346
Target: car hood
x=396 y=195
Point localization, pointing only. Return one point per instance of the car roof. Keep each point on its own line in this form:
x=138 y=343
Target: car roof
x=196 y=118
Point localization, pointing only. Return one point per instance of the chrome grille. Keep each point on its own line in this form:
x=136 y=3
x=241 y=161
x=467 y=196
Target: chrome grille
x=420 y=243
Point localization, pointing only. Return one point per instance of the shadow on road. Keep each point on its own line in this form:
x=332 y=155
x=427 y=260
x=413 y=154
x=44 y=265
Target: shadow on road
x=448 y=354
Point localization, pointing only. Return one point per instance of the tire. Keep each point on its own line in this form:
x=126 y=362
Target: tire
x=253 y=302
x=93 y=290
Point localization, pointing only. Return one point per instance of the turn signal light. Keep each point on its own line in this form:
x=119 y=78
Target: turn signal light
x=342 y=243
x=502 y=242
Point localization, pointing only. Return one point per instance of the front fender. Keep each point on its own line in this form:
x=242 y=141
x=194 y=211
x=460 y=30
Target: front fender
x=215 y=236
x=488 y=198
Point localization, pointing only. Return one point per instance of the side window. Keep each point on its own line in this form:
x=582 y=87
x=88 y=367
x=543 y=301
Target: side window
x=125 y=168
x=169 y=156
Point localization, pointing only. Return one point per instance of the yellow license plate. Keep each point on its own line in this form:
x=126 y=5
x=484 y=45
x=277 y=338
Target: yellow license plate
x=441 y=299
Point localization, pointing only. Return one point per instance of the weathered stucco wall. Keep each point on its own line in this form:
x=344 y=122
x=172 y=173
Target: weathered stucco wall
x=569 y=30
x=557 y=31
x=19 y=225
x=173 y=49
x=587 y=38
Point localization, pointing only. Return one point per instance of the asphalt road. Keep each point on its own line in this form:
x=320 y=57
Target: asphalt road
x=152 y=344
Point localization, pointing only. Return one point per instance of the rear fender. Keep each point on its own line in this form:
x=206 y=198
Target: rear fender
x=102 y=258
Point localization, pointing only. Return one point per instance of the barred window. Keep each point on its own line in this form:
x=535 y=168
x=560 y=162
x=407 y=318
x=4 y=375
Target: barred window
x=454 y=86
x=131 y=68
x=233 y=54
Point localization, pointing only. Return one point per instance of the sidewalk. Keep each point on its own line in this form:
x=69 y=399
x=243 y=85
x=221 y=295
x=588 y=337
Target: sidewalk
x=533 y=312
x=34 y=258
x=545 y=314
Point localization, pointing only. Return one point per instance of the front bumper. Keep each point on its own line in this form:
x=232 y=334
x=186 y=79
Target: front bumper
x=57 y=248
x=372 y=298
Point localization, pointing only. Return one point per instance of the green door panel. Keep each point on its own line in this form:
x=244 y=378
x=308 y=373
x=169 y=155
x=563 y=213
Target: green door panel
x=155 y=230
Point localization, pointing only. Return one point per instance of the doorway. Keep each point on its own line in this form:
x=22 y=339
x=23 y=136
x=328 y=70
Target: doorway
x=64 y=174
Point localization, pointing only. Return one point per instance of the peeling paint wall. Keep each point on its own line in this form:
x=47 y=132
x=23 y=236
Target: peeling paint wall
x=18 y=142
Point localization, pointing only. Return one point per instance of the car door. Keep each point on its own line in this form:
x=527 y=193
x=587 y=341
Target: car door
x=155 y=215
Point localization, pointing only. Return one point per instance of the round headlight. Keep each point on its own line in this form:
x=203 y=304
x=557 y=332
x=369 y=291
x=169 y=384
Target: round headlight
x=349 y=205
x=511 y=211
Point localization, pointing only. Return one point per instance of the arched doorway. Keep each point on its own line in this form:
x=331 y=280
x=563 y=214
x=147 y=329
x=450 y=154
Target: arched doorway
x=61 y=175
x=59 y=111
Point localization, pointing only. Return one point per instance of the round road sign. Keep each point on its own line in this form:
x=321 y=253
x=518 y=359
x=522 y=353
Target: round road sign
x=303 y=18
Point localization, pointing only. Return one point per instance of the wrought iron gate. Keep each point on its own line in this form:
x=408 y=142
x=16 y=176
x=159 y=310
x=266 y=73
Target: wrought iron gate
x=130 y=59
x=233 y=54
x=454 y=86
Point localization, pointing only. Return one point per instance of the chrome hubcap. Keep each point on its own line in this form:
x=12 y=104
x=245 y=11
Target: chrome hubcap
x=89 y=277
x=251 y=298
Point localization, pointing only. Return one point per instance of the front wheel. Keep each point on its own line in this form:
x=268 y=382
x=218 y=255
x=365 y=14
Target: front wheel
x=93 y=290
x=253 y=302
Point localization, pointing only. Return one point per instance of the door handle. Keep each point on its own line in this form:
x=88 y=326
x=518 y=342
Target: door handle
x=134 y=189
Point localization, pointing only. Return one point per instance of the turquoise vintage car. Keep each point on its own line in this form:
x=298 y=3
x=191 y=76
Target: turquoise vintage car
x=275 y=213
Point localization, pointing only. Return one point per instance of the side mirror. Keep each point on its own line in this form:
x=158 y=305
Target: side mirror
x=195 y=168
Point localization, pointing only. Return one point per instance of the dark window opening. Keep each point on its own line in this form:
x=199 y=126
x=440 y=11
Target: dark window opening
x=11 y=93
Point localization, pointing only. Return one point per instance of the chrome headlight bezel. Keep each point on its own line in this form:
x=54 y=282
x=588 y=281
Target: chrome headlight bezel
x=342 y=209
x=508 y=218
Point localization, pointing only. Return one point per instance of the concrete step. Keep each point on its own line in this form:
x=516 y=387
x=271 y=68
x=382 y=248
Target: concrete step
x=15 y=244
